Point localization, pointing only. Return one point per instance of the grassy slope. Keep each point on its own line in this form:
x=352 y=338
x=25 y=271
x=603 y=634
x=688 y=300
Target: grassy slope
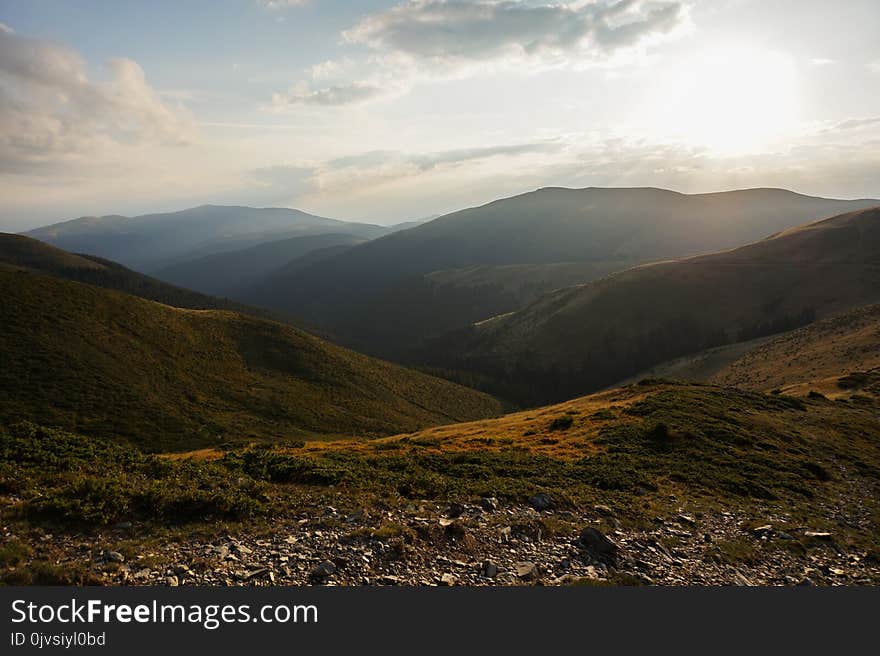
x=590 y=336
x=102 y=362
x=813 y=357
x=641 y=450
x=21 y=251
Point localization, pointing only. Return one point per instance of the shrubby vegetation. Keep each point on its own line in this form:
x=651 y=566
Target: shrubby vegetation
x=720 y=444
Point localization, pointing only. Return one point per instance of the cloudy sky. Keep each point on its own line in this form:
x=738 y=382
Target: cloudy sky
x=384 y=111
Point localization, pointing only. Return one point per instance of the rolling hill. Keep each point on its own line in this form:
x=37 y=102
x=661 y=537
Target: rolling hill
x=152 y=241
x=21 y=251
x=589 y=336
x=226 y=274
x=105 y=363
x=838 y=357
x=391 y=294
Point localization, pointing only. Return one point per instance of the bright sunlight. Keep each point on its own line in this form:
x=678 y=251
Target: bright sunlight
x=732 y=101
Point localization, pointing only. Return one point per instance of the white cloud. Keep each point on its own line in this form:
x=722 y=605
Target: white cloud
x=275 y=5
x=369 y=169
x=454 y=38
x=854 y=123
x=50 y=112
x=821 y=61
x=343 y=94
x=452 y=33
x=875 y=65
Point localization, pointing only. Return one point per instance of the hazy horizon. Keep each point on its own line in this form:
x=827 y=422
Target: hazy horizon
x=386 y=111
x=379 y=222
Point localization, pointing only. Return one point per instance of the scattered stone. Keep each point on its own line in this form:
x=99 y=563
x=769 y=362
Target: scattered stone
x=454 y=510
x=526 y=571
x=448 y=580
x=742 y=579
x=322 y=570
x=598 y=545
x=122 y=526
x=687 y=519
x=455 y=531
x=112 y=556
x=603 y=510
x=541 y=501
x=471 y=551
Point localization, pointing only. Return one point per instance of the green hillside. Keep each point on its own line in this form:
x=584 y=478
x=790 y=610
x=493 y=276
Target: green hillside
x=586 y=337
x=102 y=362
x=22 y=251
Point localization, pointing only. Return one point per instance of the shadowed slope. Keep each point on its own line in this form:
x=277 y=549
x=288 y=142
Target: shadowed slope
x=589 y=336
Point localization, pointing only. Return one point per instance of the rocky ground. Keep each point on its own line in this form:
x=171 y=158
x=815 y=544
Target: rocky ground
x=478 y=543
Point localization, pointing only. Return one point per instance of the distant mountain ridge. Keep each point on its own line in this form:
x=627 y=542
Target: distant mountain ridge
x=153 y=240
x=387 y=296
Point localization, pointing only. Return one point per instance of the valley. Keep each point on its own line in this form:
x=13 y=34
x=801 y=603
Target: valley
x=589 y=389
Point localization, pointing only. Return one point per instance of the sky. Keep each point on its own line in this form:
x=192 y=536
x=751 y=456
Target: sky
x=386 y=111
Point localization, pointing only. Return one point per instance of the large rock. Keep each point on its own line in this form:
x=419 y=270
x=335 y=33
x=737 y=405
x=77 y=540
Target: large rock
x=541 y=501
x=112 y=556
x=322 y=570
x=448 y=579
x=599 y=546
x=526 y=571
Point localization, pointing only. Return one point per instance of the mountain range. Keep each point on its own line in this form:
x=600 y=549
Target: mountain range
x=535 y=298
x=391 y=294
x=152 y=241
x=598 y=386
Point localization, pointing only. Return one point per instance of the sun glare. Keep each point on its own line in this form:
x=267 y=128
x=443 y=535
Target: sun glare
x=732 y=101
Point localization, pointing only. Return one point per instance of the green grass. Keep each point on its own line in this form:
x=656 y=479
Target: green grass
x=103 y=363
x=69 y=479
x=718 y=449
